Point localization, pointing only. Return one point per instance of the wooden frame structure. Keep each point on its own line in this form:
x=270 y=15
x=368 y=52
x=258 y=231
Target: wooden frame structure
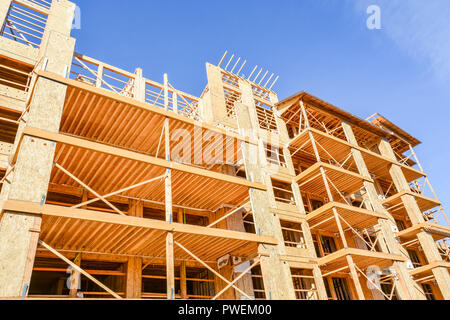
x=118 y=186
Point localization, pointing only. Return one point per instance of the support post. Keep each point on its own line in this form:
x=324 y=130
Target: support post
x=276 y=273
x=183 y=282
x=133 y=286
x=317 y=273
x=76 y=278
x=4 y=8
x=170 y=267
x=19 y=232
x=215 y=97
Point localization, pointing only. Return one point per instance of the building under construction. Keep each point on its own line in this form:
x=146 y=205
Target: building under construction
x=117 y=186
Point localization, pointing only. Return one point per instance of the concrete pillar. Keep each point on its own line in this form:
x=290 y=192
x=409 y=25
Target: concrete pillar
x=19 y=232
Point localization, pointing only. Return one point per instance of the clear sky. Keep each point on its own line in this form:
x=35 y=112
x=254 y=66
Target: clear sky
x=323 y=46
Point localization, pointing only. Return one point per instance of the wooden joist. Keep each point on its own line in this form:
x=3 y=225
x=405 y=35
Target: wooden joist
x=95 y=164
x=362 y=258
x=437 y=231
x=336 y=149
x=395 y=204
x=97 y=232
x=359 y=218
x=346 y=181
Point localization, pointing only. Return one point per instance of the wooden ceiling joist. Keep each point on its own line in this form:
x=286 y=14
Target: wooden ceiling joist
x=437 y=231
x=345 y=181
x=104 y=233
x=323 y=218
x=362 y=258
x=84 y=100
x=427 y=270
x=335 y=149
x=395 y=204
x=106 y=169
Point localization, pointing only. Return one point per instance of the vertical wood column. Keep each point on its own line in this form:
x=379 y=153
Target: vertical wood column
x=183 y=282
x=214 y=106
x=248 y=100
x=276 y=274
x=4 y=8
x=139 y=85
x=317 y=273
x=133 y=286
x=134 y=278
x=19 y=232
x=170 y=267
x=76 y=279
x=427 y=242
x=406 y=288
x=226 y=271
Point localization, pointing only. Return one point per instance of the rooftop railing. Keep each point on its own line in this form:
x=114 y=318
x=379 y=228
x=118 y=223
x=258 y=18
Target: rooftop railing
x=101 y=75
x=25 y=22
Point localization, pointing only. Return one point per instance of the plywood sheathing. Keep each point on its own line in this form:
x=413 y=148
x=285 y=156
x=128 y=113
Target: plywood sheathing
x=34 y=162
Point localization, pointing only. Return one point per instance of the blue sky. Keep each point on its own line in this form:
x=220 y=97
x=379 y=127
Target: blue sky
x=323 y=46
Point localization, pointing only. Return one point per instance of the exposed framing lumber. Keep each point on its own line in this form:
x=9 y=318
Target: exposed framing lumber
x=130 y=101
x=237 y=279
x=77 y=268
x=58 y=211
x=233 y=211
x=88 y=188
x=119 y=191
x=211 y=269
x=98 y=147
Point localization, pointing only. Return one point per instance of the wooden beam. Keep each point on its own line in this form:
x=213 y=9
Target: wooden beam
x=77 y=268
x=210 y=269
x=237 y=279
x=141 y=105
x=58 y=211
x=118 y=152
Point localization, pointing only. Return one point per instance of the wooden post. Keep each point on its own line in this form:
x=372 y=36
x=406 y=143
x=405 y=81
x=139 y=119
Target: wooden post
x=133 y=284
x=215 y=98
x=276 y=274
x=19 y=232
x=183 y=283
x=75 y=279
x=139 y=85
x=99 y=80
x=133 y=278
x=4 y=8
x=170 y=268
x=226 y=271
x=317 y=273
